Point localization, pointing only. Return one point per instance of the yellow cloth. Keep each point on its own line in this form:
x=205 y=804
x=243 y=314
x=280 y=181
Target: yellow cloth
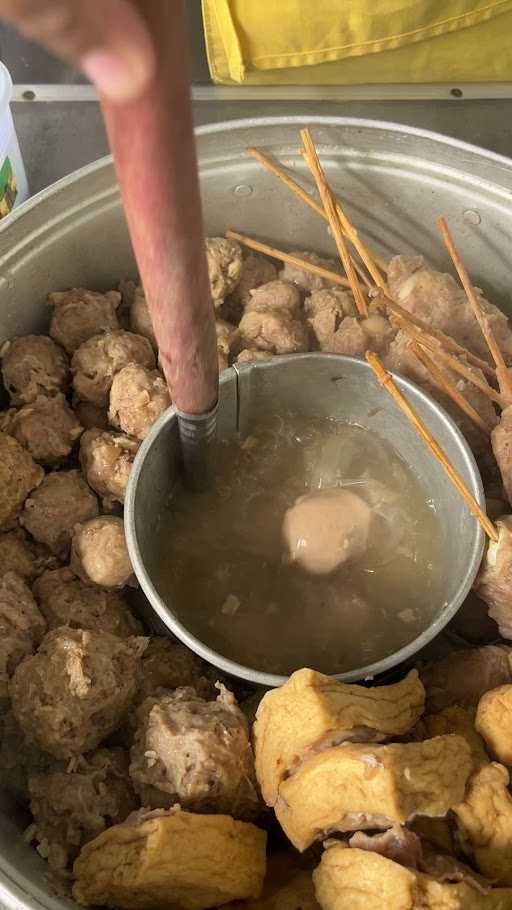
x=319 y=42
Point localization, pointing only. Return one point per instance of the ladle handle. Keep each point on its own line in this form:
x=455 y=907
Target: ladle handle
x=152 y=140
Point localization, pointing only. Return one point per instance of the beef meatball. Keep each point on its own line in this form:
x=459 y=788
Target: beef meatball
x=18 y=759
x=76 y=690
x=106 y=460
x=18 y=553
x=305 y=280
x=256 y=270
x=64 y=600
x=228 y=340
x=326 y=309
x=276 y=295
x=167 y=664
x=47 y=427
x=326 y=529
x=96 y=362
x=61 y=501
x=22 y=626
x=34 y=365
x=140 y=320
x=195 y=753
x=349 y=338
x=250 y=355
x=79 y=314
x=274 y=330
x=137 y=397
x=224 y=267
x=70 y=808
x=99 y=553
x=90 y=416
x=19 y=475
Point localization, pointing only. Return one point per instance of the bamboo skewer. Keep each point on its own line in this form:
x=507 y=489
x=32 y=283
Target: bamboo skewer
x=274 y=253
x=502 y=371
x=456 y=365
x=444 y=340
x=395 y=308
x=385 y=379
x=450 y=389
x=425 y=327
x=330 y=209
x=310 y=200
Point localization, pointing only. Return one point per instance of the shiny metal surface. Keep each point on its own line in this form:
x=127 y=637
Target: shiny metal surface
x=313 y=385
x=396 y=181
x=198 y=435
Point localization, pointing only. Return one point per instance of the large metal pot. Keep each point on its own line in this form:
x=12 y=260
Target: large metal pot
x=395 y=181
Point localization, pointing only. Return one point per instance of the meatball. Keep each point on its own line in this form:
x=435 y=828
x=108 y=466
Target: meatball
x=326 y=529
x=276 y=295
x=250 y=355
x=137 y=397
x=333 y=300
x=76 y=690
x=18 y=759
x=106 y=460
x=64 y=600
x=167 y=664
x=256 y=270
x=79 y=314
x=71 y=808
x=196 y=753
x=34 y=365
x=305 y=280
x=19 y=475
x=224 y=267
x=22 y=626
x=326 y=310
x=96 y=362
x=228 y=339
x=47 y=427
x=274 y=330
x=90 y=416
x=50 y=513
x=140 y=320
x=349 y=339
x=99 y=553
x=18 y=553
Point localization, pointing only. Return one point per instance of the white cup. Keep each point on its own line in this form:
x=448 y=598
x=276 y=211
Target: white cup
x=13 y=180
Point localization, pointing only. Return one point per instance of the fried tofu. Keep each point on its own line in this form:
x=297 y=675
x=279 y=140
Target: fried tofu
x=485 y=822
x=312 y=712
x=349 y=879
x=359 y=786
x=454 y=720
x=172 y=860
x=494 y=722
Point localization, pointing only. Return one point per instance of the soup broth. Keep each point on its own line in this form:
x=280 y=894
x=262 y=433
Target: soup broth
x=224 y=567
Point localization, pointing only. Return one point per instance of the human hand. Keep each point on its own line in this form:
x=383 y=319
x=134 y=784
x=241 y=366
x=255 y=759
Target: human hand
x=106 y=39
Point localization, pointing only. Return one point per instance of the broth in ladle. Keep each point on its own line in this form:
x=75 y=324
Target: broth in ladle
x=225 y=567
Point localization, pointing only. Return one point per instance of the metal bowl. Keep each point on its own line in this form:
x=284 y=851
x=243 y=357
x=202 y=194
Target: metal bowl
x=313 y=385
x=395 y=179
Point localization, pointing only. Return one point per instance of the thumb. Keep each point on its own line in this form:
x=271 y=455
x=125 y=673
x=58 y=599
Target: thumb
x=106 y=39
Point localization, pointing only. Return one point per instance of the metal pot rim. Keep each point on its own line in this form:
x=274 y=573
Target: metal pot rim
x=296 y=119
